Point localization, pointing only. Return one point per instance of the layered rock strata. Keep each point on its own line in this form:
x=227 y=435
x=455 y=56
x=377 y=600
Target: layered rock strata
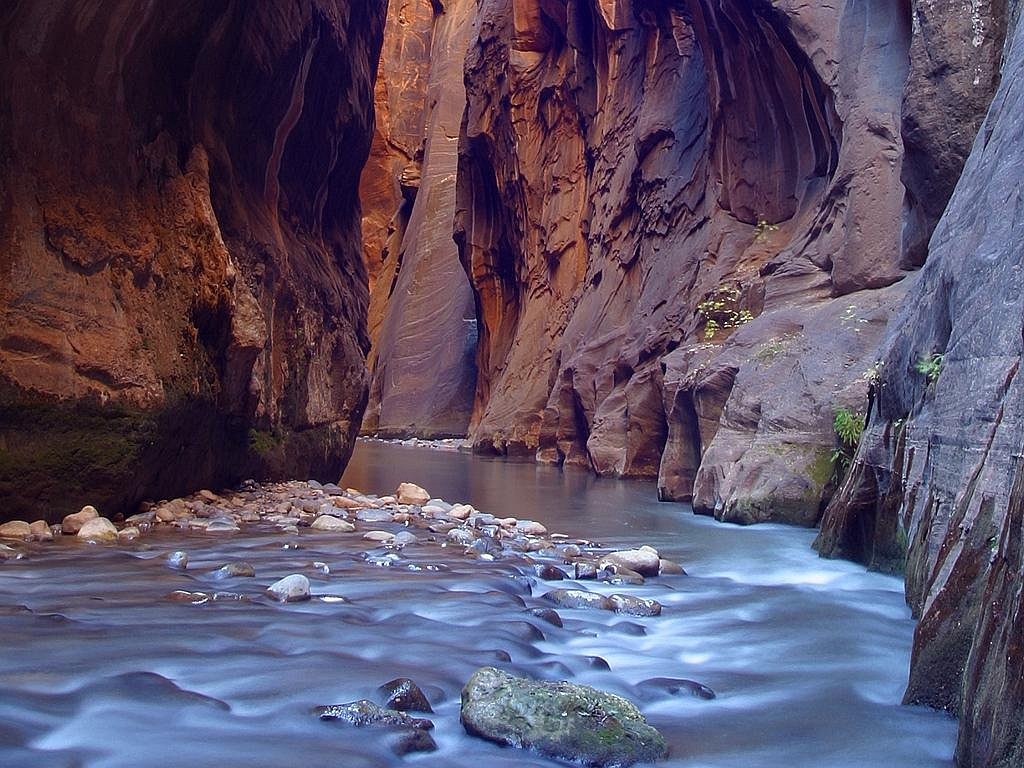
x=938 y=480
x=422 y=314
x=182 y=292
x=686 y=224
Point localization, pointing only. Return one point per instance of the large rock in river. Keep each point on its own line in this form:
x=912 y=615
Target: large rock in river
x=561 y=720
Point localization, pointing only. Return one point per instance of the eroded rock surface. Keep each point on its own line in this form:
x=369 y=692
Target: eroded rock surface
x=686 y=224
x=422 y=315
x=938 y=481
x=182 y=292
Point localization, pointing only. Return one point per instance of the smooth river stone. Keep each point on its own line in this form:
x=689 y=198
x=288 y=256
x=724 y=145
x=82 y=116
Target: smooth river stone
x=330 y=523
x=290 y=589
x=644 y=561
x=73 y=523
x=409 y=493
x=98 y=529
x=16 y=529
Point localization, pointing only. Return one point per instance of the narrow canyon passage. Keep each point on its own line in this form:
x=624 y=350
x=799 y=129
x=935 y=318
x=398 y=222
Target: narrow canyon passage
x=656 y=267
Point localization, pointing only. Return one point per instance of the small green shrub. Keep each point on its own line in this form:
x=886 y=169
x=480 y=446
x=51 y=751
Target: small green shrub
x=930 y=366
x=721 y=310
x=849 y=427
x=762 y=229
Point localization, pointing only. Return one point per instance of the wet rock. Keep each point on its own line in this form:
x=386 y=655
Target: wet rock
x=131 y=533
x=403 y=538
x=97 y=529
x=614 y=574
x=460 y=511
x=41 y=530
x=461 y=536
x=413 y=740
x=404 y=695
x=670 y=568
x=342 y=502
x=178 y=559
x=73 y=523
x=222 y=525
x=184 y=596
x=644 y=561
x=409 y=493
x=578 y=598
x=634 y=606
x=240 y=568
x=548 y=572
x=330 y=523
x=672 y=685
x=365 y=713
x=531 y=528
x=584 y=569
x=15 y=529
x=374 y=516
x=560 y=720
x=434 y=511
x=549 y=615
x=384 y=537
x=290 y=589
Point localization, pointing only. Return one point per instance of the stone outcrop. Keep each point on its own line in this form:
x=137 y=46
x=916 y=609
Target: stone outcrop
x=182 y=292
x=686 y=225
x=422 y=314
x=938 y=481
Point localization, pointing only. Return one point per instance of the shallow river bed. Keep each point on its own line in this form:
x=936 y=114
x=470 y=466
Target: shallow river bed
x=808 y=657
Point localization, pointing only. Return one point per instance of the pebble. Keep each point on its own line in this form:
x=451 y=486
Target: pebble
x=97 y=529
x=290 y=589
x=329 y=523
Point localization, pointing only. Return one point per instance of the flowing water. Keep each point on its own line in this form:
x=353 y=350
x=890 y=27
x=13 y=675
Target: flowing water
x=808 y=657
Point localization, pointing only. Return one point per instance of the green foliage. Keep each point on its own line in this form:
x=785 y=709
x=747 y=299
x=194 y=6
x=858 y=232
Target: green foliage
x=849 y=427
x=930 y=366
x=721 y=310
x=262 y=442
x=763 y=229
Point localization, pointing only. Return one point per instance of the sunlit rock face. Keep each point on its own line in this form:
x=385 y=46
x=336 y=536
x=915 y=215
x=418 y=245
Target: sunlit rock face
x=422 y=315
x=630 y=171
x=182 y=290
x=938 y=481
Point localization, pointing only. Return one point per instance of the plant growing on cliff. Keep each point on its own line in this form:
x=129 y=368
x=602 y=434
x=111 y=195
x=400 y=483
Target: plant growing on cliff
x=762 y=229
x=930 y=366
x=721 y=310
x=849 y=427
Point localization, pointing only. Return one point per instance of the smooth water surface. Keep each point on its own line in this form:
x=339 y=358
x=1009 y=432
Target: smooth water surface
x=808 y=657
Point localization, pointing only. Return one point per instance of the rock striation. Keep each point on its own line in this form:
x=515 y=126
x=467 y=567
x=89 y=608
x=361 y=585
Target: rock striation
x=182 y=292
x=422 y=313
x=686 y=225
x=938 y=481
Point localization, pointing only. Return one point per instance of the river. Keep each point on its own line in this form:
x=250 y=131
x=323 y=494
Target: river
x=808 y=657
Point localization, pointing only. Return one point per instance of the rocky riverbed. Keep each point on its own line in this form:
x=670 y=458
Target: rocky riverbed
x=232 y=615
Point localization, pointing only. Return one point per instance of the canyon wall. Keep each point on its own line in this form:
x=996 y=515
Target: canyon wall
x=422 y=314
x=686 y=224
x=182 y=290
x=938 y=481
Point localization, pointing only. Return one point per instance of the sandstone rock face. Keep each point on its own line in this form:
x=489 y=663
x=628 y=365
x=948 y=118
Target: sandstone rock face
x=938 y=481
x=422 y=315
x=686 y=225
x=182 y=292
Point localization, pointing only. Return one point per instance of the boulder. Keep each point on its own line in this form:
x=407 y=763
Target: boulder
x=561 y=720
x=408 y=493
x=97 y=529
x=16 y=529
x=644 y=561
x=73 y=523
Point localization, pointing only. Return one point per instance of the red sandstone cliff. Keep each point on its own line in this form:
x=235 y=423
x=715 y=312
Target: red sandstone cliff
x=182 y=292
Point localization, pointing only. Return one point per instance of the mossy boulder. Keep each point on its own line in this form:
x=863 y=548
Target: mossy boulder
x=558 y=719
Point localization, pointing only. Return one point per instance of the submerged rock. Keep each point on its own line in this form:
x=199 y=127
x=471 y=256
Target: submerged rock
x=290 y=589
x=413 y=740
x=234 y=569
x=673 y=685
x=364 y=713
x=578 y=598
x=178 y=559
x=404 y=695
x=561 y=720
